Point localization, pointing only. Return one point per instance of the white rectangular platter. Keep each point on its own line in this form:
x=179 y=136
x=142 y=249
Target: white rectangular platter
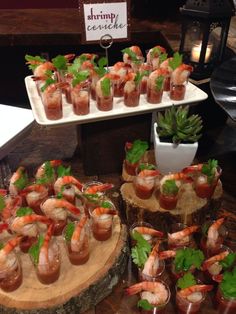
x=193 y=95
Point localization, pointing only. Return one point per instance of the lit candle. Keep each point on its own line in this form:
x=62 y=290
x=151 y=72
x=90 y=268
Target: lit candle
x=196 y=50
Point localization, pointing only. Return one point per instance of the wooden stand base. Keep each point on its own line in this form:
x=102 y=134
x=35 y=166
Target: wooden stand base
x=78 y=287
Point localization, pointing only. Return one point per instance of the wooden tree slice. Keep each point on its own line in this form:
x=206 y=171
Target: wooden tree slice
x=78 y=287
x=190 y=208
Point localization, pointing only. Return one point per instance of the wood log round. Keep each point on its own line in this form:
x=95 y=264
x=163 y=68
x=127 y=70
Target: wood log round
x=78 y=287
x=190 y=208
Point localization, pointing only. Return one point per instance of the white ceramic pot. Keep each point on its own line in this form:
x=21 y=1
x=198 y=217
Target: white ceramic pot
x=171 y=157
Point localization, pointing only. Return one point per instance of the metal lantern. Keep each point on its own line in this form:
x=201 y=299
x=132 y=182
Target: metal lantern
x=205 y=26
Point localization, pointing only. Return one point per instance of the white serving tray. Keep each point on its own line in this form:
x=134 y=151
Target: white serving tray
x=193 y=95
x=14 y=123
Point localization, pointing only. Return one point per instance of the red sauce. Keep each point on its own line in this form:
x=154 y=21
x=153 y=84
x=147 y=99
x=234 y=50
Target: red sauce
x=80 y=101
x=93 y=92
x=131 y=168
x=205 y=190
x=177 y=92
x=225 y=306
x=59 y=225
x=143 y=87
x=166 y=87
x=185 y=306
x=100 y=233
x=51 y=275
x=118 y=89
x=132 y=99
x=105 y=103
x=12 y=281
x=81 y=257
x=26 y=243
x=142 y=191
x=53 y=109
x=168 y=202
x=153 y=96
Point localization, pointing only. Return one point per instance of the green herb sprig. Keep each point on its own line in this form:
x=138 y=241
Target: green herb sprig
x=2 y=203
x=186 y=281
x=100 y=67
x=176 y=60
x=228 y=261
x=144 y=304
x=34 y=61
x=24 y=211
x=69 y=230
x=60 y=62
x=159 y=82
x=227 y=285
x=141 y=250
x=106 y=87
x=170 y=188
x=131 y=54
x=187 y=257
x=63 y=171
x=35 y=249
x=80 y=77
x=136 y=151
x=209 y=169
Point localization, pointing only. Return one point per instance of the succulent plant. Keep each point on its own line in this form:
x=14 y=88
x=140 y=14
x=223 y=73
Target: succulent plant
x=177 y=126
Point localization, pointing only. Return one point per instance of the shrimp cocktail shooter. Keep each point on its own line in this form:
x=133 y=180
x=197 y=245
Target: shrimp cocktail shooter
x=134 y=57
x=10 y=266
x=133 y=155
x=146 y=180
x=226 y=293
x=155 y=86
x=132 y=89
x=190 y=294
x=76 y=236
x=147 y=231
x=206 y=177
x=102 y=221
x=45 y=256
x=214 y=233
x=181 y=236
x=154 y=296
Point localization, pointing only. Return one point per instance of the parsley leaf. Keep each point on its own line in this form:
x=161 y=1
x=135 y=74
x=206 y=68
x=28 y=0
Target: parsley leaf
x=209 y=169
x=24 y=211
x=228 y=261
x=159 y=82
x=48 y=82
x=100 y=68
x=49 y=174
x=60 y=62
x=146 y=166
x=22 y=181
x=35 y=248
x=187 y=257
x=136 y=151
x=106 y=204
x=130 y=53
x=2 y=203
x=170 y=188
x=106 y=86
x=63 y=171
x=70 y=227
x=227 y=285
x=34 y=61
x=80 y=77
x=186 y=281
x=144 y=304
x=141 y=250
x=176 y=60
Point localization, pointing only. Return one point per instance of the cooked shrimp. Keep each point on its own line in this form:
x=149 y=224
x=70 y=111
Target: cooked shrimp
x=44 y=256
x=53 y=87
x=121 y=68
x=26 y=225
x=178 y=177
x=149 y=231
x=154 y=76
x=35 y=193
x=148 y=173
x=214 y=259
x=17 y=175
x=213 y=232
x=166 y=254
x=11 y=206
x=79 y=235
x=69 y=186
x=99 y=188
x=136 y=50
x=196 y=288
x=155 y=292
x=41 y=170
x=58 y=209
x=7 y=260
x=42 y=69
x=166 y=65
x=99 y=211
x=152 y=263
x=183 y=235
x=181 y=73
x=153 y=56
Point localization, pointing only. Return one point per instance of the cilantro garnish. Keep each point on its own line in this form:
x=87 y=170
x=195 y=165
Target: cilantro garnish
x=187 y=257
x=162 y=57
x=2 y=203
x=80 y=77
x=138 y=78
x=22 y=181
x=106 y=204
x=34 y=61
x=146 y=166
x=144 y=304
x=60 y=62
x=176 y=60
x=35 y=249
x=209 y=169
x=70 y=228
x=91 y=197
x=228 y=261
x=130 y=53
x=49 y=173
x=106 y=86
x=1 y=245
x=100 y=68
x=63 y=171
x=23 y=211
x=186 y=281
x=141 y=250
x=159 y=82
x=170 y=188
x=136 y=151
x=155 y=52
x=48 y=82
x=227 y=285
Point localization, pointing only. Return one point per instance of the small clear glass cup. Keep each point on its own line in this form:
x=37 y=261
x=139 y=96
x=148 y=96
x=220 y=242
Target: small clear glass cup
x=131 y=94
x=154 y=95
x=104 y=103
x=80 y=97
x=52 y=102
x=187 y=241
x=11 y=273
x=81 y=255
x=148 y=237
x=91 y=201
x=158 y=275
x=49 y=272
x=223 y=304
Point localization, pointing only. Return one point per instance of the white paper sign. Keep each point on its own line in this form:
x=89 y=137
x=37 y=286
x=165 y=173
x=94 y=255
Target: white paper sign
x=105 y=18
